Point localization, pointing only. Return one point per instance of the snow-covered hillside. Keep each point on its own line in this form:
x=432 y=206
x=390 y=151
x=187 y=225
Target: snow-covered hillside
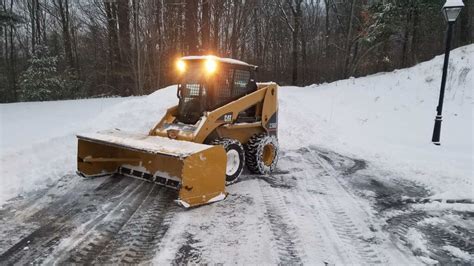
x=385 y=118
x=388 y=119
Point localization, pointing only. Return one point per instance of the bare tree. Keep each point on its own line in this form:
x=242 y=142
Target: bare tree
x=191 y=37
x=125 y=47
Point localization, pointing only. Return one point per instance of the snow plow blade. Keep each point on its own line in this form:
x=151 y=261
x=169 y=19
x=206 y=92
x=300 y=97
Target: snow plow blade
x=197 y=171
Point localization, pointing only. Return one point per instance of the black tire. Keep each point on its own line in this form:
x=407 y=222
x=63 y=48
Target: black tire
x=261 y=153
x=233 y=149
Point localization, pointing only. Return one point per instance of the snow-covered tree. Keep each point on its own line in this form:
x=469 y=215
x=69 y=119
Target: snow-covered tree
x=41 y=80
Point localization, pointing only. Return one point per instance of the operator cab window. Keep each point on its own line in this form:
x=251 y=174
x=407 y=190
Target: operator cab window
x=223 y=89
x=191 y=90
x=242 y=83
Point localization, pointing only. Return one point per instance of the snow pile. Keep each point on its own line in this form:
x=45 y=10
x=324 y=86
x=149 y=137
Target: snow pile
x=456 y=252
x=23 y=124
x=386 y=119
x=144 y=142
x=416 y=242
x=38 y=142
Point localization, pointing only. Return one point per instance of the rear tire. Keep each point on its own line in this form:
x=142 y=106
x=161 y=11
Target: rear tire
x=261 y=153
x=235 y=158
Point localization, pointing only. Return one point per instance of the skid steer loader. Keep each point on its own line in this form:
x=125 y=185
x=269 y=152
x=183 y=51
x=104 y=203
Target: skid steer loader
x=223 y=121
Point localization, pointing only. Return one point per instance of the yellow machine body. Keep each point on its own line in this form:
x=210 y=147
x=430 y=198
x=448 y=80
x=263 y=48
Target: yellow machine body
x=196 y=170
x=174 y=154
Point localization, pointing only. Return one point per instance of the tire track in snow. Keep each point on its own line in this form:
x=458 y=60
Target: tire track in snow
x=89 y=246
x=139 y=238
x=188 y=252
x=342 y=210
x=22 y=217
x=190 y=246
x=230 y=231
x=281 y=225
x=330 y=247
x=442 y=232
x=58 y=223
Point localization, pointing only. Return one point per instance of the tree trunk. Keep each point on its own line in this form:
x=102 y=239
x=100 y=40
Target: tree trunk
x=32 y=7
x=326 y=38
x=257 y=37
x=113 y=50
x=13 y=65
x=206 y=26
x=138 y=60
x=297 y=13
x=64 y=17
x=191 y=26
x=216 y=26
x=126 y=83
x=304 y=56
x=348 y=45
x=38 y=21
x=157 y=40
x=123 y=16
x=466 y=35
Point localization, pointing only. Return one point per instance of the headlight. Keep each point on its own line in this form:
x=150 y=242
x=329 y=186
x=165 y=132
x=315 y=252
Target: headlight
x=211 y=65
x=181 y=66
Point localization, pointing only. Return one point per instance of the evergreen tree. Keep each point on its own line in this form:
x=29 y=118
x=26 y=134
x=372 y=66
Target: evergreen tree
x=41 y=80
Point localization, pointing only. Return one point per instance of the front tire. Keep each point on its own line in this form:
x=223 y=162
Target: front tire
x=261 y=153
x=235 y=158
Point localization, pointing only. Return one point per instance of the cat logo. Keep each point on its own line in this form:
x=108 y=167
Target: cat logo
x=228 y=117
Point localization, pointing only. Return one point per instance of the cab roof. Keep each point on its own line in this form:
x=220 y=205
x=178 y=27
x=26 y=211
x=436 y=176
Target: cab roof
x=219 y=59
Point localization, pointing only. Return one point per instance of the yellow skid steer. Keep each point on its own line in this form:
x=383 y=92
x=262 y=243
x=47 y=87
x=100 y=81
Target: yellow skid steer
x=224 y=120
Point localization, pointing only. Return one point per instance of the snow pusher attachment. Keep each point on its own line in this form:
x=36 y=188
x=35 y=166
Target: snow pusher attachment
x=196 y=170
x=224 y=121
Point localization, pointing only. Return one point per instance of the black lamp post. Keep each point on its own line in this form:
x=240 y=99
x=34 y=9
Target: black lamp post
x=451 y=10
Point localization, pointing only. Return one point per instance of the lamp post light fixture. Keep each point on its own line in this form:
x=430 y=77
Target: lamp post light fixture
x=451 y=10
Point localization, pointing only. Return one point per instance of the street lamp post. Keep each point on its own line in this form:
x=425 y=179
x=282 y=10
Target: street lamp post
x=451 y=10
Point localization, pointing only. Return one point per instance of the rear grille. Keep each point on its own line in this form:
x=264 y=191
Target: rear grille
x=148 y=177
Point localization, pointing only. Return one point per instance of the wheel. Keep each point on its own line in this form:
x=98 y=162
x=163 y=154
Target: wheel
x=261 y=153
x=235 y=158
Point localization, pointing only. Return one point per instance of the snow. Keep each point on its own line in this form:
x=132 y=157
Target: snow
x=24 y=124
x=456 y=252
x=386 y=119
x=428 y=261
x=416 y=242
x=453 y=3
x=219 y=197
x=152 y=144
x=441 y=206
x=219 y=59
x=38 y=142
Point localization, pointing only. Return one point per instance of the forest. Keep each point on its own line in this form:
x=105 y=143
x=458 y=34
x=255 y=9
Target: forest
x=69 y=49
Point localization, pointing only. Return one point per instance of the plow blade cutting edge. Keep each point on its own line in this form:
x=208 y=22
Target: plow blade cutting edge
x=197 y=171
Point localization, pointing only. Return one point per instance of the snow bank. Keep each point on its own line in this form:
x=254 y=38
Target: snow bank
x=388 y=119
x=385 y=118
x=23 y=124
x=38 y=143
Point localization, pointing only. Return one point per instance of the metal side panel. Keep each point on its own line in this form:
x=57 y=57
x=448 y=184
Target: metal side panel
x=203 y=177
x=98 y=158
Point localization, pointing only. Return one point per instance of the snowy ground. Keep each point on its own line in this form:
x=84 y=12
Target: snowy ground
x=388 y=119
x=356 y=168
